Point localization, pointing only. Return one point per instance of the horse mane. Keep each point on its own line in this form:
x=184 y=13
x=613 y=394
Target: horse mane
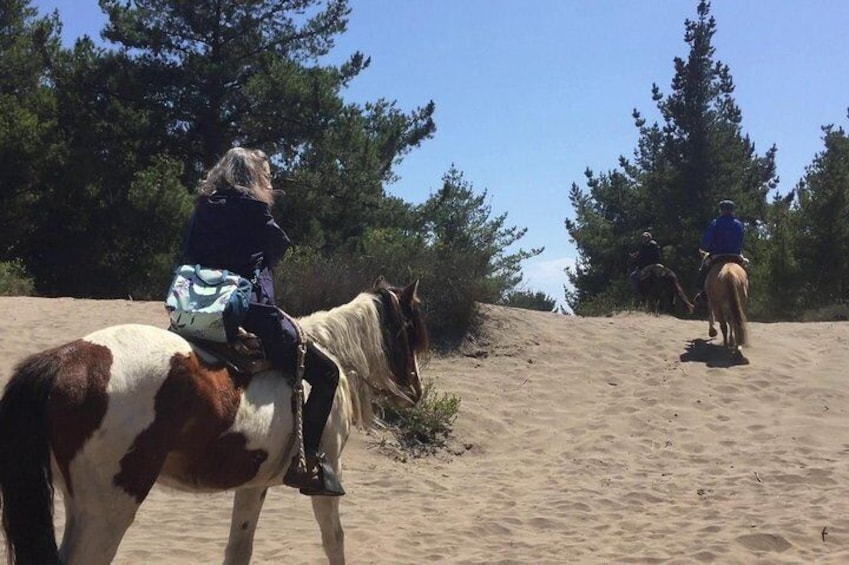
x=353 y=335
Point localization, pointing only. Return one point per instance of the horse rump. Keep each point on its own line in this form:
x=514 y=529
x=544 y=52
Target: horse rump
x=659 y=286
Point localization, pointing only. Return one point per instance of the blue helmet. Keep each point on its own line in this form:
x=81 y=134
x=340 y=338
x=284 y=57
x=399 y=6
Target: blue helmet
x=726 y=206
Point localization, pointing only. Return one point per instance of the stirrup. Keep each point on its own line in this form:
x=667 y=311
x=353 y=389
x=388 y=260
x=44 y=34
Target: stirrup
x=318 y=480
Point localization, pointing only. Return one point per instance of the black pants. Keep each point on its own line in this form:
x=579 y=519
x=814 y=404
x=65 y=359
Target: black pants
x=279 y=341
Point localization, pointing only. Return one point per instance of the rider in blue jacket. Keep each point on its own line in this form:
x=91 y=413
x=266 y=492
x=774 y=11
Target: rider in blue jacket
x=724 y=236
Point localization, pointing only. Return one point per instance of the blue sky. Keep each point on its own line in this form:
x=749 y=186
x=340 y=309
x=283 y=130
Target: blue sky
x=529 y=93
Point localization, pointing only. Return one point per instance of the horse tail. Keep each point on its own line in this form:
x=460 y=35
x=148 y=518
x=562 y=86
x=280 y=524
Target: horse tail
x=26 y=479
x=735 y=289
x=682 y=295
x=679 y=290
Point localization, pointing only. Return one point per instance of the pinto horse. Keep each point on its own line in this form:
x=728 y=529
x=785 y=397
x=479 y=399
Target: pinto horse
x=107 y=416
x=727 y=287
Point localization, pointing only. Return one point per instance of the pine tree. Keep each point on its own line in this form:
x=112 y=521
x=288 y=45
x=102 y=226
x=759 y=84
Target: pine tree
x=225 y=72
x=458 y=224
x=707 y=157
x=680 y=170
x=87 y=239
x=28 y=142
x=140 y=125
x=778 y=295
x=468 y=251
x=823 y=222
x=218 y=73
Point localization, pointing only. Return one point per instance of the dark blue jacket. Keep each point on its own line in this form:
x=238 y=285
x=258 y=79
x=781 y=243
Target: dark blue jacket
x=724 y=235
x=232 y=231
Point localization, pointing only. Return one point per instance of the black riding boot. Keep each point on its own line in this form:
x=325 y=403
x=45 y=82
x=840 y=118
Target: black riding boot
x=280 y=339
x=320 y=479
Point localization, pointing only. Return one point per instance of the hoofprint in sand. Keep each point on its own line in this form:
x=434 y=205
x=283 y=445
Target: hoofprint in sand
x=579 y=440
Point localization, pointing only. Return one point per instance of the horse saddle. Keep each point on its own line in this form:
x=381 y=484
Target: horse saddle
x=244 y=355
x=719 y=260
x=655 y=270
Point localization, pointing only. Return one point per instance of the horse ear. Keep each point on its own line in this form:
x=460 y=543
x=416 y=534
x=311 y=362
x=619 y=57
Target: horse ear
x=410 y=294
x=380 y=282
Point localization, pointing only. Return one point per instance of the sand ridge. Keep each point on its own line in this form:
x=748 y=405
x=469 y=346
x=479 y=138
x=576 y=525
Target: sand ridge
x=627 y=439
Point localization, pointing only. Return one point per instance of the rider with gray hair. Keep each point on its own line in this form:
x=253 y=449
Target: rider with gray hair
x=232 y=228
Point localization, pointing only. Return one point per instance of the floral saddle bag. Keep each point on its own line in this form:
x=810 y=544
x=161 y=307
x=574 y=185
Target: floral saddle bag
x=207 y=304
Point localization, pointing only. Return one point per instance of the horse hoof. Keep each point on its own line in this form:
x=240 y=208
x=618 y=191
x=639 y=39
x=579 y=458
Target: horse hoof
x=739 y=358
x=712 y=332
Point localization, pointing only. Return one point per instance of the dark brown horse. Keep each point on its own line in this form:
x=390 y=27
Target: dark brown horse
x=659 y=286
x=727 y=288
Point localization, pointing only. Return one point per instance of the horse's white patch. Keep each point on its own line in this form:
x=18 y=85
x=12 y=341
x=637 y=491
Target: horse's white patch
x=265 y=419
x=141 y=360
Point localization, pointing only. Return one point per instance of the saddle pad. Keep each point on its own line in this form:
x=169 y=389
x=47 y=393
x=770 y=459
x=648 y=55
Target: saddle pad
x=656 y=270
x=719 y=260
x=239 y=357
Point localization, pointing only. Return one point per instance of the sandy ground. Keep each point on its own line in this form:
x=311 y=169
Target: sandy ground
x=609 y=440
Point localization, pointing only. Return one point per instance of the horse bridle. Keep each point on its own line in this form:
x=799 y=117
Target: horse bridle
x=404 y=333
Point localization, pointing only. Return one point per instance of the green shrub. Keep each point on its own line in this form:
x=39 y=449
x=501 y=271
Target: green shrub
x=831 y=313
x=14 y=280
x=308 y=280
x=428 y=424
x=451 y=244
x=450 y=282
x=530 y=300
x=615 y=298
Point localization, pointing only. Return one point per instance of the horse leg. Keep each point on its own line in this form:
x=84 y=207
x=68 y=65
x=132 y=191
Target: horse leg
x=95 y=525
x=668 y=302
x=711 y=320
x=247 y=504
x=738 y=295
x=326 y=510
x=101 y=504
x=732 y=338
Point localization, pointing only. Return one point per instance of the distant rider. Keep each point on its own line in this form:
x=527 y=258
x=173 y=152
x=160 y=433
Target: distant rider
x=647 y=254
x=724 y=236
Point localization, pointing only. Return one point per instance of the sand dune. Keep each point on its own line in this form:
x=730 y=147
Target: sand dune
x=610 y=440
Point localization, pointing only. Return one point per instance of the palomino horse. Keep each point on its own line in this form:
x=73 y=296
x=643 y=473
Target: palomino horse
x=727 y=286
x=658 y=287
x=107 y=416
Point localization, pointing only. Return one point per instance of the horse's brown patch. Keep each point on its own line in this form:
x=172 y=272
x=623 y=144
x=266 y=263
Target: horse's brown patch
x=195 y=405
x=78 y=399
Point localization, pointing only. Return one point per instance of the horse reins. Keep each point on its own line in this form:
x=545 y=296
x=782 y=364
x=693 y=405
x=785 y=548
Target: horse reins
x=403 y=332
